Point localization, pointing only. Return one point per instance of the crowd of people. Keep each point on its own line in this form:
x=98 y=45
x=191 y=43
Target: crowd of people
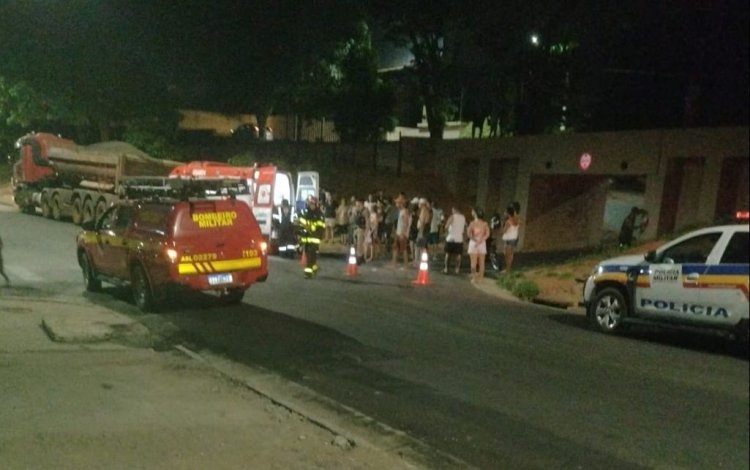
x=400 y=229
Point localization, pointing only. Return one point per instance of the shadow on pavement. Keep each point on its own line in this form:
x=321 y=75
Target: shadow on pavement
x=699 y=341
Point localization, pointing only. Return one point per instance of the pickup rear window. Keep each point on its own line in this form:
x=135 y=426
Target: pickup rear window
x=154 y=217
x=206 y=218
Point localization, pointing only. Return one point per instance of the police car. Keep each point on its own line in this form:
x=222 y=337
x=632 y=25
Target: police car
x=699 y=279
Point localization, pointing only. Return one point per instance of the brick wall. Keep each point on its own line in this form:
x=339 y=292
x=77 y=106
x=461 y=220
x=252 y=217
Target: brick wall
x=564 y=212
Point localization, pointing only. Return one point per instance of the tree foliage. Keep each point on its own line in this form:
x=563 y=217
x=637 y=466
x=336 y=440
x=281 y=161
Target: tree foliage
x=362 y=104
x=427 y=32
x=80 y=67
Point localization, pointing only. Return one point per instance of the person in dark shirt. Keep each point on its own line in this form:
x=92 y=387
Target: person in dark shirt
x=2 y=269
x=637 y=219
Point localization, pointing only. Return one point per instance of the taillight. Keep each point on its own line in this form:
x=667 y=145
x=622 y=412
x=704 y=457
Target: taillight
x=264 y=247
x=743 y=215
x=171 y=254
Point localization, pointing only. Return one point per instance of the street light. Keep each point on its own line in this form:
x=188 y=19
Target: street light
x=534 y=38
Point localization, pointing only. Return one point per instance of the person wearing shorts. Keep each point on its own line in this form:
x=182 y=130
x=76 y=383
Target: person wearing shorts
x=454 y=240
x=401 y=237
x=2 y=269
x=510 y=235
x=478 y=232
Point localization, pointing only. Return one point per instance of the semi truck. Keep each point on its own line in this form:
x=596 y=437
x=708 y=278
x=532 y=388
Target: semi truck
x=66 y=180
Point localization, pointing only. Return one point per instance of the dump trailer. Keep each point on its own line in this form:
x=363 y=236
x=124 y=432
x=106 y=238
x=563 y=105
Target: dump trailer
x=67 y=180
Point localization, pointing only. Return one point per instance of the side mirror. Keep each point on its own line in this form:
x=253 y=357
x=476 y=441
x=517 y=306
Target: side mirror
x=89 y=225
x=650 y=256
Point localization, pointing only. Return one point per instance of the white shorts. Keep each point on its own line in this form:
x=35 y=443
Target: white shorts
x=477 y=248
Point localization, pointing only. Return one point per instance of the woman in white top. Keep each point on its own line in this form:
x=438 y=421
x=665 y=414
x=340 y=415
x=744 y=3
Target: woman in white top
x=401 y=239
x=478 y=232
x=454 y=241
x=510 y=235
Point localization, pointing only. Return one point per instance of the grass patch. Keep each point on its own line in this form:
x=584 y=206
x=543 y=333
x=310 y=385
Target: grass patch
x=551 y=274
x=517 y=283
x=566 y=275
x=526 y=290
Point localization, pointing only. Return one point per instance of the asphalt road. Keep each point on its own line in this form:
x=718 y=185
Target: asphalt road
x=496 y=384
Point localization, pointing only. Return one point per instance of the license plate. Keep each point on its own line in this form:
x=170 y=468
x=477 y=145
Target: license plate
x=216 y=279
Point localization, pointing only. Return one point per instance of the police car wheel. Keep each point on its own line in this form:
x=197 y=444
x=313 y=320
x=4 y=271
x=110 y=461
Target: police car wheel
x=608 y=310
x=89 y=277
x=142 y=296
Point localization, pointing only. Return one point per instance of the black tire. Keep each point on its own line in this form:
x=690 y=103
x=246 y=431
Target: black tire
x=143 y=296
x=608 y=310
x=89 y=211
x=77 y=211
x=56 y=209
x=232 y=296
x=89 y=276
x=46 y=209
x=101 y=207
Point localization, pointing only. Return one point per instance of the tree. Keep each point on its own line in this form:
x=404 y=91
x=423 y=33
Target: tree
x=78 y=66
x=427 y=32
x=362 y=104
x=278 y=55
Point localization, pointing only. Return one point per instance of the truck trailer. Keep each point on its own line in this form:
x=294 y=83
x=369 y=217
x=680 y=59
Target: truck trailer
x=67 y=180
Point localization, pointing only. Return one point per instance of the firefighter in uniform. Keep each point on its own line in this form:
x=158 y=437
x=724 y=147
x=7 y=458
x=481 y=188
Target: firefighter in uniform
x=287 y=242
x=311 y=227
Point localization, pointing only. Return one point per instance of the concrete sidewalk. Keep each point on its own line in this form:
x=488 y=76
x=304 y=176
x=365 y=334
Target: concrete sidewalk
x=76 y=393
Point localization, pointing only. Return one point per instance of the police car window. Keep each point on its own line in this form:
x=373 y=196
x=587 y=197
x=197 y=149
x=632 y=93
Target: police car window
x=737 y=251
x=692 y=250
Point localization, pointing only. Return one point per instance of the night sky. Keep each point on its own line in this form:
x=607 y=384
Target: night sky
x=218 y=53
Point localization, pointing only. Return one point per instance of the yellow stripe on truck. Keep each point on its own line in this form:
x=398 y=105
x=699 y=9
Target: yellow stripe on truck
x=219 y=266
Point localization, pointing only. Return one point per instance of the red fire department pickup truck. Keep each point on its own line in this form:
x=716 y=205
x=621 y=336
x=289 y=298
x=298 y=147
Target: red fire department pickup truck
x=156 y=244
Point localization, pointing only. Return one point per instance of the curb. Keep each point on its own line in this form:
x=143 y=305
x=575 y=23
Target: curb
x=551 y=303
x=264 y=383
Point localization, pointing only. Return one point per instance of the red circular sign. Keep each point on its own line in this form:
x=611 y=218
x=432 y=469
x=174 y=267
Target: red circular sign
x=585 y=162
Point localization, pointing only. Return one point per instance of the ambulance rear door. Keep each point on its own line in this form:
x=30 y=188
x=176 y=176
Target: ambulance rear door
x=308 y=184
x=263 y=202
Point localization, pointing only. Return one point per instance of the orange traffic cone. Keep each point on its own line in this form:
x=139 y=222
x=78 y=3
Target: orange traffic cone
x=423 y=277
x=351 y=268
x=303 y=258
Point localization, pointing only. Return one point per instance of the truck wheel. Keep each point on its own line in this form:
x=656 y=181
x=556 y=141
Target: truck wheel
x=46 y=209
x=56 y=209
x=142 y=295
x=88 y=210
x=77 y=211
x=608 y=310
x=101 y=207
x=232 y=296
x=89 y=277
